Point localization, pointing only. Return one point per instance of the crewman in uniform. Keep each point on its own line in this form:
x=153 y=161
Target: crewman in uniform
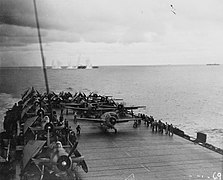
x=78 y=128
x=75 y=118
x=72 y=137
x=171 y=130
x=166 y=128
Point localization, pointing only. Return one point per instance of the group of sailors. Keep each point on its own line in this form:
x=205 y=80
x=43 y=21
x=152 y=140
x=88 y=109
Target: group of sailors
x=157 y=126
x=70 y=133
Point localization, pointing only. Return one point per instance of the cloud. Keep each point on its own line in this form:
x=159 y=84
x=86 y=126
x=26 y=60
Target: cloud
x=12 y=35
x=94 y=21
x=195 y=30
x=17 y=13
x=110 y=21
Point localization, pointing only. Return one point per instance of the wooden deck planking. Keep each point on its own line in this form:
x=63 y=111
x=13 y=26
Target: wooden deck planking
x=142 y=154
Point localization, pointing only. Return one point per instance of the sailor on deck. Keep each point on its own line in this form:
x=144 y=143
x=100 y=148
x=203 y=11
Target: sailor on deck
x=78 y=128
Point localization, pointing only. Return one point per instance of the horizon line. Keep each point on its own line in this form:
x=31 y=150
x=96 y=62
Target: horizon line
x=39 y=66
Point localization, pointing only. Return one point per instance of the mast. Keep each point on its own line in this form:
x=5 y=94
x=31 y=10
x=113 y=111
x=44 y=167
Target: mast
x=43 y=60
x=41 y=48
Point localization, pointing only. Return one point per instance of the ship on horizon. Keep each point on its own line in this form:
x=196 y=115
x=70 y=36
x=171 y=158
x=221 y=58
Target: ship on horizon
x=70 y=66
x=87 y=65
x=212 y=64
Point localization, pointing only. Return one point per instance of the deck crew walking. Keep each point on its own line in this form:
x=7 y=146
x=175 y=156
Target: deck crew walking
x=78 y=128
x=166 y=128
x=171 y=130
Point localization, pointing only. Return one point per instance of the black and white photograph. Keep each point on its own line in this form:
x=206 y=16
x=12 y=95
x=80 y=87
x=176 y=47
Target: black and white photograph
x=111 y=89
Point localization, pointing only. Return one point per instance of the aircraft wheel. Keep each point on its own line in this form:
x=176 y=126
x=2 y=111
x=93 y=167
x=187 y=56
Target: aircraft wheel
x=135 y=125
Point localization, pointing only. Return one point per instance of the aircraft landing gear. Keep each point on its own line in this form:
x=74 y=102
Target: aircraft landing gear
x=115 y=131
x=135 y=124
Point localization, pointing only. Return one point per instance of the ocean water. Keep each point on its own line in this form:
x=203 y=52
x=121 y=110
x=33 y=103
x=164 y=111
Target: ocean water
x=190 y=97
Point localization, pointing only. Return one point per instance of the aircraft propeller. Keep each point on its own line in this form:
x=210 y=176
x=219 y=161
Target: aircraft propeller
x=42 y=172
x=112 y=120
x=73 y=149
x=64 y=162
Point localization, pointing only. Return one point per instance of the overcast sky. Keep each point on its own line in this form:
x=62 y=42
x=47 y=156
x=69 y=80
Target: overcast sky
x=112 y=32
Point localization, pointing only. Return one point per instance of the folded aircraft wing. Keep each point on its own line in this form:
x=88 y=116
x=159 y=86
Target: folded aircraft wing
x=72 y=104
x=76 y=108
x=112 y=108
x=26 y=93
x=39 y=128
x=91 y=120
x=82 y=163
x=126 y=120
x=29 y=122
x=99 y=109
x=31 y=149
x=134 y=107
x=42 y=160
x=26 y=109
x=26 y=103
x=107 y=108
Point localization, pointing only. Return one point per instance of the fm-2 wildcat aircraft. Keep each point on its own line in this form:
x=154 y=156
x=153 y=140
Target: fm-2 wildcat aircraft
x=92 y=101
x=52 y=161
x=107 y=117
x=98 y=109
